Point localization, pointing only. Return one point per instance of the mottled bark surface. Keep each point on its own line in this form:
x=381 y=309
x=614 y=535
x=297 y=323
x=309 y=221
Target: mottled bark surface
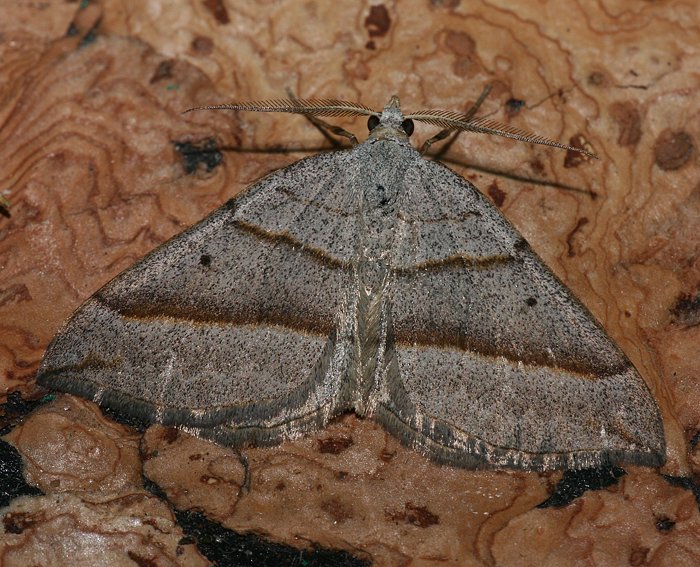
x=94 y=180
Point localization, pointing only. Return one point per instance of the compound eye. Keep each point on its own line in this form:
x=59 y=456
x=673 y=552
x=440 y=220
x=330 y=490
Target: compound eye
x=407 y=126
x=372 y=122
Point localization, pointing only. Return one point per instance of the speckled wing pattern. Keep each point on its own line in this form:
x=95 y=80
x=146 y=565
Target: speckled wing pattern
x=367 y=280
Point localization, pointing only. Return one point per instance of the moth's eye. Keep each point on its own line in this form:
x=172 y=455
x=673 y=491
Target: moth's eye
x=373 y=122
x=407 y=126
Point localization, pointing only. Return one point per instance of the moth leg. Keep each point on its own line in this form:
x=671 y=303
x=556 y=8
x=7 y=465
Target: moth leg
x=442 y=134
x=475 y=107
x=328 y=130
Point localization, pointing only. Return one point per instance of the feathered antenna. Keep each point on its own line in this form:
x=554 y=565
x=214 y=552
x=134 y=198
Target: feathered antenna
x=314 y=107
x=452 y=121
x=449 y=121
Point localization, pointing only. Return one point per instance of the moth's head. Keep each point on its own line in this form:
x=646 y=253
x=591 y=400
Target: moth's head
x=391 y=123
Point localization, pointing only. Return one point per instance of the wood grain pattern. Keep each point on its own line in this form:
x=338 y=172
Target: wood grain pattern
x=94 y=182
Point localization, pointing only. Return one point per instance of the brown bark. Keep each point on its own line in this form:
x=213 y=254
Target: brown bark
x=93 y=183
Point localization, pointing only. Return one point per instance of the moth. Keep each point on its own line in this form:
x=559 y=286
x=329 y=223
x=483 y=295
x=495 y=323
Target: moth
x=367 y=280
